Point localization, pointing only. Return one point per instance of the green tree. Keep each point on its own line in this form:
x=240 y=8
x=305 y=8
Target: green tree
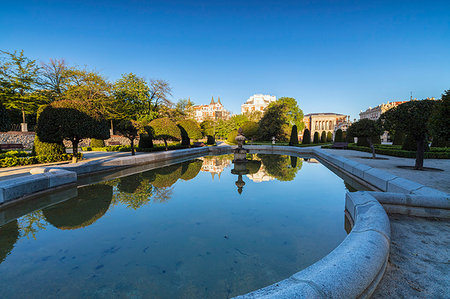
x=132 y=97
x=58 y=123
x=323 y=137
x=279 y=166
x=274 y=123
x=294 y=136
x=250 y=129
x=412 y=118
x=338 y=136
x=189 y=129
x=127 y=129
x=440 y=121
x=56 y=76
x=294 y=115
x=306 y=137
x=4 y=119
x=368 y=129
x=329 y=137
x=20 y=83
x=208 y=128
x=165 y=129
x=316 y=137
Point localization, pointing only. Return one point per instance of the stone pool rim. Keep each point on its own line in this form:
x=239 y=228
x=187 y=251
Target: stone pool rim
x=353 y=269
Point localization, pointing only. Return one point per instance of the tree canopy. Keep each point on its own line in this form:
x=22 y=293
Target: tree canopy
x=366 y=128
x=164 y=128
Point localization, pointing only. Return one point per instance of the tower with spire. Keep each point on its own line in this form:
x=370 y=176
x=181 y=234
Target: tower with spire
x=213 y=111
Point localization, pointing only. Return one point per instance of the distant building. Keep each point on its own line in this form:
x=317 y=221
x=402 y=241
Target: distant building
x=213 y=111
x=257 y=102
x=375 y=113
x=328 y=122
x=215 y=165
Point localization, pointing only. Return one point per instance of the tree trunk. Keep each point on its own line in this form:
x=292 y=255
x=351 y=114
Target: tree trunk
x=419 y=154
x=111 y=131
x=23 y=116
x=165 y=142
x=369 y=140
x=75 y=151
x=132 y=146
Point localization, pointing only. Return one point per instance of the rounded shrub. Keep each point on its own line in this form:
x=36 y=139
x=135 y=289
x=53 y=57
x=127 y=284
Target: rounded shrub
x=329 y=137
x=362 y=141
x=189 y=129
x=97 y=142
x=46 y=148
x=294 y=136
x=306 y=137
x=323 y=137
x=145 y=141
x=165 y=129
x=210 y=140
x=338 y=136
x=316 y=138
x=399 y=137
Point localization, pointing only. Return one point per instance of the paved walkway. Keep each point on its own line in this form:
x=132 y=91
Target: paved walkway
x=12 y=172
x=439 y=180
x=420 y=248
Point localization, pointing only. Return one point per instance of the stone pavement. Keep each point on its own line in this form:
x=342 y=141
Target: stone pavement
x=420 y=247
x=12 y=172
x=439 y=180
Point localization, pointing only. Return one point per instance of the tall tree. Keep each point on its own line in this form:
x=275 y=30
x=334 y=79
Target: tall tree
x=20 y=83
x=440 y=120
x=366 y=128
x=55 y=75
x=411 y=118
x=160 y=91
x=132 y=97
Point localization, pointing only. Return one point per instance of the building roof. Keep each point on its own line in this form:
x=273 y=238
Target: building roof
x=326 y=113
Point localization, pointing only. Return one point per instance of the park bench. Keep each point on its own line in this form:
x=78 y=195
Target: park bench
x=199 y=144
x=343 y=145
x=115 y=143
x=11 y=146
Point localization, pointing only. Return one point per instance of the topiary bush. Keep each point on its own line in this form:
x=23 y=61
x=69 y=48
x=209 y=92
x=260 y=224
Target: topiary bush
x=410 y=144
x=323 y=137
x=399 y=137
x=165 y=129
x=145 y=141
x=97 y=142
x=338 y=136
x=210 y=140
x=294 y=136
x=306 y=137
x=189 y=129
x=316 y=138
x=231 y=139
x=46 y=148
x=329 y=137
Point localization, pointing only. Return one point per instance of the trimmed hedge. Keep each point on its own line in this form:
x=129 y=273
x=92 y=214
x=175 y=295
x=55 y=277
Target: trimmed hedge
x=47 y=148
x=8 y=154
x=97 y=142
x=22 y=161
x=127 y=148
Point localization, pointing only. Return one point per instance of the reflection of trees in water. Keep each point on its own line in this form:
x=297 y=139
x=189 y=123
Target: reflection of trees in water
x=281 y=166
x=191 y=169
x=9 y=234
x=31 y=223
x=156 y=185
x=253 y=166
x=90 y=205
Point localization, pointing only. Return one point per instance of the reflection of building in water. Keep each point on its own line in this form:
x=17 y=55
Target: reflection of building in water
x=311 y=160
x=214 y=165
x=260 y=176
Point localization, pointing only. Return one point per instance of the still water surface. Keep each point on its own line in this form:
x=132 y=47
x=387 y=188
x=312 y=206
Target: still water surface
x=182 y=231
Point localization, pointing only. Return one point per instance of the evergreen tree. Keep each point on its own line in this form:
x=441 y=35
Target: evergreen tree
x=294 y=136
x=306 y=137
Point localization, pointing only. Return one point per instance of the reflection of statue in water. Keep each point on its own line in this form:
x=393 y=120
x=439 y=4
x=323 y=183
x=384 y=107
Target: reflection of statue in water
x=240 y=160
x=90 y=205
x=9 y=234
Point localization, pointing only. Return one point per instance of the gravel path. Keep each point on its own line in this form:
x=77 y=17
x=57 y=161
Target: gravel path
x=419 y=265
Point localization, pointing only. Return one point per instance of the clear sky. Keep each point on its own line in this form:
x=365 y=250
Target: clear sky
x=332 y=56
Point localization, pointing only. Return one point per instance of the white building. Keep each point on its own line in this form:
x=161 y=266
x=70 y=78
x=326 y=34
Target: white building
x=257 y=102
x=213 y=111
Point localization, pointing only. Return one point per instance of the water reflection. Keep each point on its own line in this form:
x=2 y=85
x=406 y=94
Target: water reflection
x=280 y=166
x=9 y=234
x=90 y=205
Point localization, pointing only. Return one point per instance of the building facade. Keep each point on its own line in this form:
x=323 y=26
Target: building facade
x=375 y=113
x=257 y=102
x=213 y=111
x=328 y=122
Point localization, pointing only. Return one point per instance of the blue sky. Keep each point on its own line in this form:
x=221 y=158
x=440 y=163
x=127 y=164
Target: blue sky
x=332 y=56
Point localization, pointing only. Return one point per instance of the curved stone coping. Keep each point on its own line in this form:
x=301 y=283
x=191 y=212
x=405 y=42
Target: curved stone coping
x=415 y=205
x=353 y=269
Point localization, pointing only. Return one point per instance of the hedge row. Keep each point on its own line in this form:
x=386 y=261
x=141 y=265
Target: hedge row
x=127 y=148
x=14 y=154
x=22 y=161
x=401 y=153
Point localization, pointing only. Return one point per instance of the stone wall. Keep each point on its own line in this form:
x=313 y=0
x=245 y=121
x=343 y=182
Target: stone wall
x=24 y=138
